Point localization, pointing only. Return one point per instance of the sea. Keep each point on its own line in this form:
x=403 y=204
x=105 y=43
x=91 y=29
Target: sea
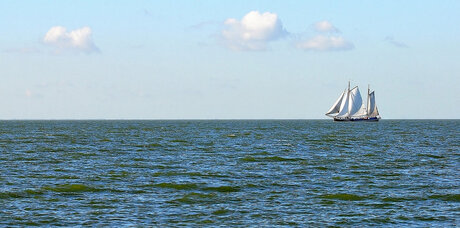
x=237 y=173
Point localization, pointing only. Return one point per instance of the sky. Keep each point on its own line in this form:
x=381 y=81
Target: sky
x=226 y=59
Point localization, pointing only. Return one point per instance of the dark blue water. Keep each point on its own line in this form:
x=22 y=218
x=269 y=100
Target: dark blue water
x=238 y=173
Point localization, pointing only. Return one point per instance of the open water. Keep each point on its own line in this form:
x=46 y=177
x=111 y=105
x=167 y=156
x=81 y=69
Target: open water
x=230 y=172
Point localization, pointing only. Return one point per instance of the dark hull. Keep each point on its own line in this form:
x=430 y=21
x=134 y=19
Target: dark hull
x=372 y=119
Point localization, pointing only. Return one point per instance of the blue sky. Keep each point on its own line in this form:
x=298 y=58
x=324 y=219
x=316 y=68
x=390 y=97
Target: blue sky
x=226 y=59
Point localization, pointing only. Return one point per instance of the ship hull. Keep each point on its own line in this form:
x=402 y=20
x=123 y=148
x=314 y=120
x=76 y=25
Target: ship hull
x=371 y=119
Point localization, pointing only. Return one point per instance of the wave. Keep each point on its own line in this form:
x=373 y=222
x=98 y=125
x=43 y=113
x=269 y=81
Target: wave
x=192 y=198
x=186 y=186
x=343 y=196
x=72 y=188
x=63 y=188
x=190 y=174
x=194 y=186
x=446 y=197
x=223 y=189
x=269 y=159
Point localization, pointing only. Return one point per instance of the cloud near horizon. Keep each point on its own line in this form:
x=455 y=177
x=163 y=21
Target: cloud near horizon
x=328 y=39
x=325 y=43
x=75 y=40
x=253 y=31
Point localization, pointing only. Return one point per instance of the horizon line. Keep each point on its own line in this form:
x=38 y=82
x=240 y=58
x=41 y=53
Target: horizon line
x=191 y=119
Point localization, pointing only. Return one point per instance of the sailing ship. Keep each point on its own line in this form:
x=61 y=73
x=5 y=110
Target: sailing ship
x=350 y=106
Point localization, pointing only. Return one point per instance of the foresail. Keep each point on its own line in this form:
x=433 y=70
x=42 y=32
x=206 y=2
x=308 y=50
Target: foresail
x=356 y=102
x=336 y=107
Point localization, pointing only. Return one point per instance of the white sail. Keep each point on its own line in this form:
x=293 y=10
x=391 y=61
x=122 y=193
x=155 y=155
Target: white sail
x=355 y=104
x=372 y=110
x=343 y=112
x=350 y=106
x=371 y=103
x=335 y=109
x=362 y=112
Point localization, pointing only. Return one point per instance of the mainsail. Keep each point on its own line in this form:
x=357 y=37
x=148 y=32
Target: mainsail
x=350 y=106
x=355 y=107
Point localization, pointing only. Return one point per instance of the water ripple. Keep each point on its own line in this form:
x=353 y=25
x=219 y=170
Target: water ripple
x=230 y=173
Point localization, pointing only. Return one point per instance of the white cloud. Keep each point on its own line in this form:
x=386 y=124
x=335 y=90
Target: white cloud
x=253 y=31
x=77 y=40
x=325 y=43
x=331 y=41
x=325 y=26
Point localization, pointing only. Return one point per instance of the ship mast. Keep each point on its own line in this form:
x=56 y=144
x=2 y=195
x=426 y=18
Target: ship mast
x=348 y=98
x=368 y=93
